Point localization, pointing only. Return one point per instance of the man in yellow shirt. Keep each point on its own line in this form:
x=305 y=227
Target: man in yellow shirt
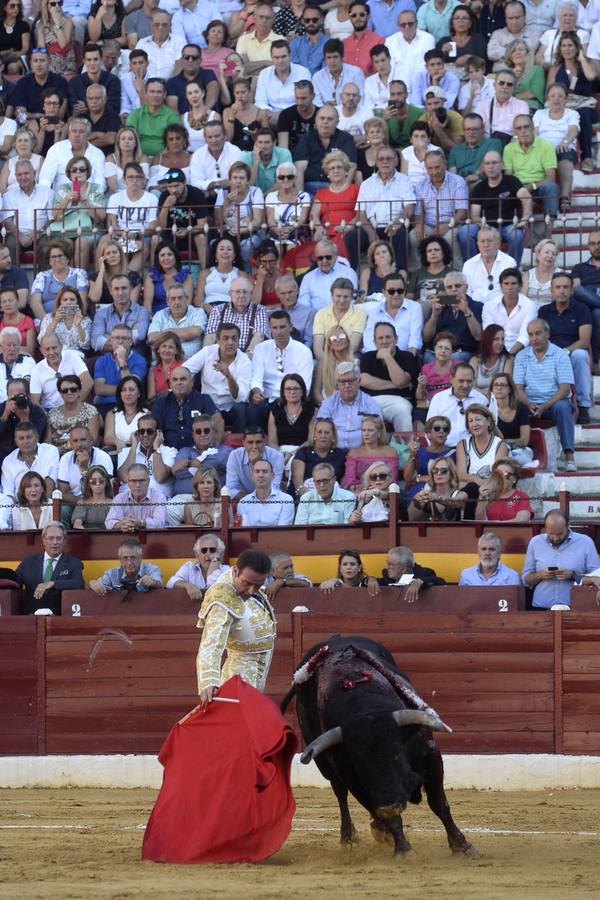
x=255 y=46
x=342 y=312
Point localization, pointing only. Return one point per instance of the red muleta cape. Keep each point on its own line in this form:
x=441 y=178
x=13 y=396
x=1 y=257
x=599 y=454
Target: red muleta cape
x=226 y=794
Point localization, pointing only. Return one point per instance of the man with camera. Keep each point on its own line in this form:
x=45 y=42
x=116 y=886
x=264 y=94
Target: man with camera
x=446 y=124
x=400 y=115
x=455 y=312
x=16 y=409
x=132 y=575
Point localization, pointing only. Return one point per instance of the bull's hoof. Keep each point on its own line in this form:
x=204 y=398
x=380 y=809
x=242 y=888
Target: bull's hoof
x=404 y=852
x=381 y=834
x=349 y=838
x=466 y=849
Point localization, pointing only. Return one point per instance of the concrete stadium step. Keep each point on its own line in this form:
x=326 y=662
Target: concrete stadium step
x=587 y=435
x=588 y=458
x=586 y=180
x=582 y=484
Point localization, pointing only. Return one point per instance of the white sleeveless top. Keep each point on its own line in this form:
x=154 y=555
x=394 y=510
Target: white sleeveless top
x=216 y=290
x=538 y=291
x=480 y=464
x=196 y=136
x=124 y=429
x=416 y=168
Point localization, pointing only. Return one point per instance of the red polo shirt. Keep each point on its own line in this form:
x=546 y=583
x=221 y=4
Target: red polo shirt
x=356 y=50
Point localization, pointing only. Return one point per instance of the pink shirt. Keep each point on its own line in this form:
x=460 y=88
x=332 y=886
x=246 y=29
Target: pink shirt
x=437 y=381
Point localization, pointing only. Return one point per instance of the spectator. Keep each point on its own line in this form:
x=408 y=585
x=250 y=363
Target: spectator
x=138 y=507
x=416 y=467
x=29 y=455
x=499 y=113
x=33 y=509
x=399 y=115
x=123 y=310
x=358 y=45
x=343 y=313
x=240 y=211
x=214 y=283
x=210 y=165
x=182 y=206
x=435 y=74
x=380 y=262
x=334 y=206
x=586 y=280
x=46 y=575
x=271 y=361
x=75 y=463
x=27 y=210
x=147 y=446
x=127 y=150
x=570 y=325
x=283 y=575
x=167 y=273
x=443 y=201
x=504 y=503
x=348 y=405
x=373 y=494
x=385 y=202
x=446 y=126
x=133 y=82
x=350 y=574
x=250 y=318
x=191 y=70
x=57 y=361
x=412 y=158
x=77 y=143
x=326 y=503
x=152 y=119
x=24 y=146
x=462 y=318
x=58 y=254
x=114 y=365
x=530 y=77
x=560 y=127
x=13 y=318
x=206 y=567
x=13 y=363
x=466 y=158
x=568 y=16
x=79 y=208
x=67 y=321
x=492 y=359
x=555 y=561
x=483 y=270
x=321 y=448
x=105 y=121
x=477 y=87
x=337 y=21
x=121 y=423
x=301 y=313
x=389 y=375
x=27 y=95
x=315 y=289
x=239 y=465
x=197 y=115
x=217 y=56
x=577 y=73
x=511 y=309
x=162 y=46
x=72 y=412
x=132 y=215
x=435 y=376
x=335 y=73
x=298 y=119
x=106 y=22
x=132 y=575
x=307 y=48
x=224 y=373
x=203 y=508
x=353 y=113
x=544 y=376
x=55 y=32
x=177 y=409
x=428 y=279
x=287 y=208
x=243 y=118
x=337 y=349
x=489 y=571
x=441 y=499
x=254 y=47
x=476 y=453
x=94 y=74
x=265 y=505
x=275 y=83
x=536 y=281
x=404 y=315
x=314 y=145
x=374 y=447
x=408 y=46
x=204 y=451
x=533 y=161
x=187 y=322
x=454 y=402
x=463 y=40
x=172 y=151
x=516 y=28
x=401 y=561
x=513 y=418
x=376 y=91
x=291 y=418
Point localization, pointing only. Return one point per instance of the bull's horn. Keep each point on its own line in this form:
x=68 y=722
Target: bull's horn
x=420 y=717
x=323 y=742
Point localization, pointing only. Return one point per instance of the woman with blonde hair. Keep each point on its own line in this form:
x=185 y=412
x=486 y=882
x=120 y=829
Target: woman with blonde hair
x=204 y=509
x=380 y=262
x=54 y=30
x=374 y=447
x=536 y=281
x=24 y=150
x=110 y=262
x=377 y=135
x=441 y=499
x=127 y=149
x=530 y=77
x=373 y=498
x=333 y=206
x=337 y=349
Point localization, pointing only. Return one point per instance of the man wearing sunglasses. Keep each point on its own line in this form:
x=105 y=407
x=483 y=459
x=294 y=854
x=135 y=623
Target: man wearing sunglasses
x=498 y=114
x=191 y=70
x=307 y=50
x=404 y=315
x=204 y=452
x=206 y=567
x=358 y=46
x=408 y=44
x=315 y=289
x=148 y=448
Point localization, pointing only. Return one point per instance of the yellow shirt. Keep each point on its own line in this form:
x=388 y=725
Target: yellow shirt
x=456 y=125
x=353 y=320
x=256 y=50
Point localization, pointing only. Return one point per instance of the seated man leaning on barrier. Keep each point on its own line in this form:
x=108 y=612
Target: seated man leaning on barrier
x=138 y=507
x=283 y=575
x=327 y=503
x=46 y=575
x=265 y=505
x=401 y=561
x=202 y=571
x=132 y=575
x=489 y=571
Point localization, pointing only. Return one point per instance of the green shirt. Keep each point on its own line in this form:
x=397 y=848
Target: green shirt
x=534 y=81
x=150 y=126
x=530 y=166
x=399 y=136
x=266 y=175
x=467 y=160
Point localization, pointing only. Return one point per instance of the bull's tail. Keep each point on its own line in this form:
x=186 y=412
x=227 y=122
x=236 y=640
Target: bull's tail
x=285 y=702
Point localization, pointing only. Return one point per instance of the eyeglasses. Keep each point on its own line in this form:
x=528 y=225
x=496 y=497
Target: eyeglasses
x=440 y=428
x=312 y=21
x=146 y=430
x=378 y=476
x=97 y=481
x=506 y=83
x=326 y=256
x=79 y=169
x=208 y=549
x=289 y=178
x=407 y=24
x=190 y=57
x=69 y=390
x=394 y=291
x=201 y=430
x=440 y=471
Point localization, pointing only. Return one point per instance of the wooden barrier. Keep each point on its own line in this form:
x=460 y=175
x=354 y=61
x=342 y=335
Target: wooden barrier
x=20 y=715
x=175 y=602
x=442 y=599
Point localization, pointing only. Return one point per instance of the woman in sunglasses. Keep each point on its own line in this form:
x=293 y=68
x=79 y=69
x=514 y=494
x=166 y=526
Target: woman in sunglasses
x=350 y=574
x=287 y=208
x=441 y=499
x=204 y=510
x=79 y=207
x=122 y=421
x=373 y=498
x=417 y=466
x=72 y=412
x=54 y=30
x=96 y=499
x=374 y=447
x=206 y=567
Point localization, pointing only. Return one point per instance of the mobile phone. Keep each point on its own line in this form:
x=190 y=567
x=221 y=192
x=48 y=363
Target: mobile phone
x=76 y=190
x=447 y=299
x=392 y=104
x=52 y=120
x=553 y=568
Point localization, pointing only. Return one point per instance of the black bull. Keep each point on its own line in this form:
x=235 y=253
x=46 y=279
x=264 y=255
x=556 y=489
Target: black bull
x=370 y=733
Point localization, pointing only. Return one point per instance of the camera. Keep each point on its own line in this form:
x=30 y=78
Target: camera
x=21 y=401
x=441 y=115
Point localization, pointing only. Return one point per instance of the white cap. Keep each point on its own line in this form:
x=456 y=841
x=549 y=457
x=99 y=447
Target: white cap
x=560 y=607
x=43 y=611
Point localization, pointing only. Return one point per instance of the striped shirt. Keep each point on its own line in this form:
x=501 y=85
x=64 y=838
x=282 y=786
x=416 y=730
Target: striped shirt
x=440 y=205
x=540 y=378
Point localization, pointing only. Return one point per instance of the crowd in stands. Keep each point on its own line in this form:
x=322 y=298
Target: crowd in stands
x=278 y=249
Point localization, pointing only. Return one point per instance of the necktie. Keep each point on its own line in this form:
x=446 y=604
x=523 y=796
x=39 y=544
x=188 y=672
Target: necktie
x=48 y=571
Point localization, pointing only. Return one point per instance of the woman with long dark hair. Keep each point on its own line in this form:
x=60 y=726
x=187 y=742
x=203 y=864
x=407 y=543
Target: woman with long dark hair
x=573 y=69
x=121 y=422
x=167 y=270
x=491 y=359
x=350 y=574
x=513 y=418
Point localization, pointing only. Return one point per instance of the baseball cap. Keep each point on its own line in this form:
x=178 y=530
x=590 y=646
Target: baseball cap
x=434 y=90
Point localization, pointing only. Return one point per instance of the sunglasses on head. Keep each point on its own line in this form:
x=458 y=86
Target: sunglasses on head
x=327 y=256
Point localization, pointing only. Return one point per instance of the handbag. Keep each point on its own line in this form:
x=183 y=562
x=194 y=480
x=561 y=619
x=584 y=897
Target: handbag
x=578 y=101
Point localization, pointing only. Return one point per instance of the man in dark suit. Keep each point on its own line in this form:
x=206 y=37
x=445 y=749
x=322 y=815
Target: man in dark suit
x=400 y=561
x=45 y=575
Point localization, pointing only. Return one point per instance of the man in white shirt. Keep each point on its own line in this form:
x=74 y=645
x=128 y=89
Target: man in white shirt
x=265 y=505
x=54 y=169
x=180 y=318
x=225 y=374
x=190 y=20
x=385 y=203
x=58 y=360
x=352 y=113
x=408 y=47
x=133 y=83
x=162 y=46
x=511 y=309
x=315 y=289
x=455 y=400
x=483 y=270
x=29 y=456
x=593 y=50
x=377 y=86
x=13 y=363
x=327 y=503
x=406 y=316
x=74 y=464
x=275 y=85
x=329 y=81
x=27 y=208
x=148 y=448
x=209 y=165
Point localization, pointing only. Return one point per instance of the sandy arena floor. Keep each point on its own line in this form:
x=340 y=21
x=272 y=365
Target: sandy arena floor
x=73 y=843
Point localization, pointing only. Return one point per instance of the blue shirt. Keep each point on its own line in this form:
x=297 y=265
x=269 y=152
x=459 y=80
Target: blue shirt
x=540 y=378
x=215 y=458
x=113 y=578
x=348 y=416
x=108 y=368
x=277 y=510
x=175 y=421
x=588 y=273
x=384 y=18
x=309 y=55
x=106 y=317
x=28 y=92
x=239 y=470
x=577 y=552
x=565 y=325
x=503 y=575
x=440 y=205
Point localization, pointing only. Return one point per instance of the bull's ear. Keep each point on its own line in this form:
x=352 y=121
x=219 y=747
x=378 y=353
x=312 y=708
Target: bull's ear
x=323 y=742
x=431 y=719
